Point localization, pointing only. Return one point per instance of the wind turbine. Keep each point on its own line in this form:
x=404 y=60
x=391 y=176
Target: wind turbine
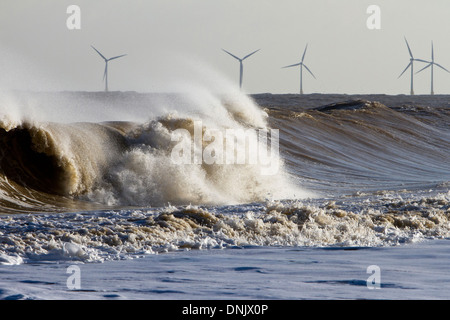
x=241 y=66
x=301 y=64
x=432 y=64
x=105 y=74
x=411 y=65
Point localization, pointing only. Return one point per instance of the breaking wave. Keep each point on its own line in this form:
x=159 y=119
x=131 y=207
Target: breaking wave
x=122 y=163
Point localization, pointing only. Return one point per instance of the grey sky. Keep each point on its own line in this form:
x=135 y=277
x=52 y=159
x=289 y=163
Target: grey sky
x=172 y=42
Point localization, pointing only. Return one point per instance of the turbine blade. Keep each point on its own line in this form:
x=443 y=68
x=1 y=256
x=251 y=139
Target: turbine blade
x=309 y=71
x=304 y=52
x=409 y=64
x=106 y=71
x=421 y=60
x=292 y=65
x=231 y=54
x=432 y=52
x=441 y=67
x=424 y=68
x=99 y=53
x=409 y=49
x=117 y=57
x=250 y=54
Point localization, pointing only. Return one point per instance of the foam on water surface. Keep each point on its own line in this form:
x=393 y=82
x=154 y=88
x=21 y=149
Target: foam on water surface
x=358 y=221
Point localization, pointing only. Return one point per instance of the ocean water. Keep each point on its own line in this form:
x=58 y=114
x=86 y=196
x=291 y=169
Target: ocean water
x=89 y=179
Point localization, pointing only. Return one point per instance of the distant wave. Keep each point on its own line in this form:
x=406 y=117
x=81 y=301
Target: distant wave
x=363 y=145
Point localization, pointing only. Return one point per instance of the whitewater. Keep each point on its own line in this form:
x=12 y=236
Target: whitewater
x=87 y=178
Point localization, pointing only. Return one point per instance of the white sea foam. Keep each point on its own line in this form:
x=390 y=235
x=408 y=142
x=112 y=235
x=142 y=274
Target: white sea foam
x=10 y=259
x=110 y=235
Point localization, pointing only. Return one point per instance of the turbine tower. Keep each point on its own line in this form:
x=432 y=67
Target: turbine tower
x=241 y=66
x=411 y=65
x=301 y=64
x=105 y=74
x=432 y=64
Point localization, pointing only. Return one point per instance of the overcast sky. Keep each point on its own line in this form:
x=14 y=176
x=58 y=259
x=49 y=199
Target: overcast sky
x=171 y=42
